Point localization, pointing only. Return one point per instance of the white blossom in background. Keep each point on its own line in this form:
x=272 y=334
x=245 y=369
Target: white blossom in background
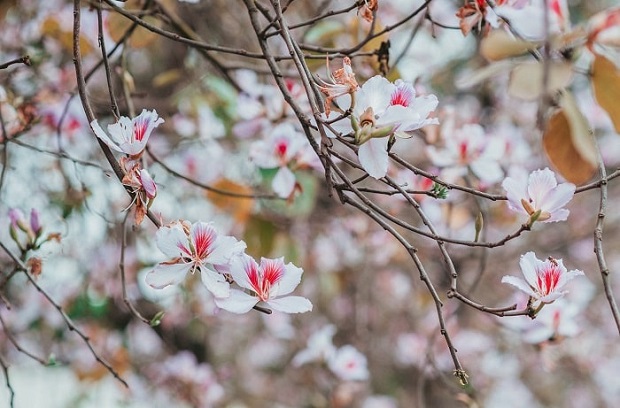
x=539 y=192
x=544 y=280
x=194 y=247
x=129 y=136
x=285 y=149
x=349 y=364
x=469 y=148
x=271 y=282
x=320 y=347
x=554 y=322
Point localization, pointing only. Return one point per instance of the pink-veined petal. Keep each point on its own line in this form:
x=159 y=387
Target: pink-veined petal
x=290 y=304
x=373 y=157
x=241 y=268
x=284 y=181
x=529 y=266
x=215 y=282
x=148 y=184
x=101 y=134
x=167 y=274
x=203 y=237
x=519 y=283
x=172 y=241
x=237 y=302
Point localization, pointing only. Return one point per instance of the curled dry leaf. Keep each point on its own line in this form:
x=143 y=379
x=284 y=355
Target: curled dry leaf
x=526 y=79
x=606 y=85
x=499 y=45
x=569 y=144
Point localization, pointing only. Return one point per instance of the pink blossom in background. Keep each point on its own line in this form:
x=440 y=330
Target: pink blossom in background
x=544 y=280
x=540 y=192
x=129 y=136
x=270 y=282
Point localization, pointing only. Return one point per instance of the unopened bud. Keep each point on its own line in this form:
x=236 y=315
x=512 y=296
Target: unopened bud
x=479 y=224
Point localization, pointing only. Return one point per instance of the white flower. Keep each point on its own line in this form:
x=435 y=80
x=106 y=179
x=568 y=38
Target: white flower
x=349 y=364
x=270 y=282
x=320 y=347
x=554 y=322
x=285 y=148
x=544 y=280
x=191 y=247
x=383 y=109
x=129 y=136
x=540 y=192
x=470 y=148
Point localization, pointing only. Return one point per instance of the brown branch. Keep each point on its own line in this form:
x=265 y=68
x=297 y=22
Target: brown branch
x=68 y=321
x=21 y=60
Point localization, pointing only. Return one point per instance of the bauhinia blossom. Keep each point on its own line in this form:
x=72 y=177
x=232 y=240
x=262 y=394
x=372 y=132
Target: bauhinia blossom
x=539 y=194
x=270 y=282
x=349 y=364
x=382 y=109
x=469 y=148
x=544 y=280
x=129 y=136
x=194 y=247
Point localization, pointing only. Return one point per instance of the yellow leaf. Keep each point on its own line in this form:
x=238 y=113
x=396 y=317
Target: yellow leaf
x=606 y=84
x=526 y=79
x=569 y=144
x=498 y=44
x=240 y=208
x=51 y=28
x=140 y=38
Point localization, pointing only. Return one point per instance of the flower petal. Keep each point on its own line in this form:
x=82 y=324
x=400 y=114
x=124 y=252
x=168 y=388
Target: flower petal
x=172 y=241
x=215 y=282
x=529 y=267
x=241 y=268
x=540 y=183
x=375 y=93
x=373 y=157
x=238 y=302
x=225 y=248
x=520 y=284
x=167 y=274
x=291 y=304
x=290 y=279
x=283 y=183
x=101 y=134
